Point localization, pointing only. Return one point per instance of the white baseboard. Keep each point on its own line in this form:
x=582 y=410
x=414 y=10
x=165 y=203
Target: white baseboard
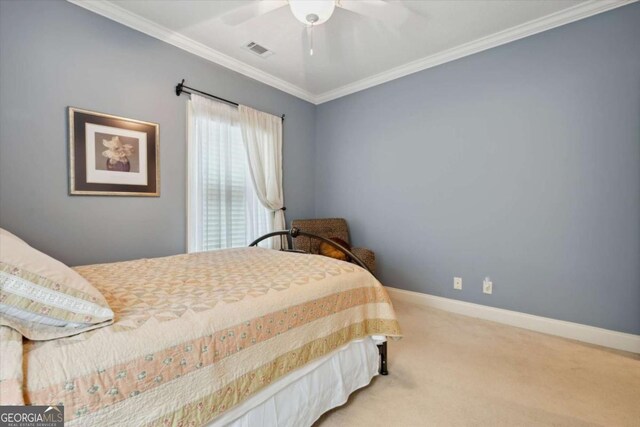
x=561 y=328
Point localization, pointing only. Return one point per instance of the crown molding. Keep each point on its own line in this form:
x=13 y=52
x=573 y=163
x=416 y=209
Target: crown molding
x=566 y=16
x=153 y=29
x=557 y=19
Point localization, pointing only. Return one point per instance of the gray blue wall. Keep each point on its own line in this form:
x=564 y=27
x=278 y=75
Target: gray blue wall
x=521 y=163
x=55 y=54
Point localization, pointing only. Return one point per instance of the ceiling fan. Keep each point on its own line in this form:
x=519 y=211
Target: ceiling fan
x=315 y=12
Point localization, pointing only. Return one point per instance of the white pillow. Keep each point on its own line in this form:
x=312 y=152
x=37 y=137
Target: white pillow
x=42 y=298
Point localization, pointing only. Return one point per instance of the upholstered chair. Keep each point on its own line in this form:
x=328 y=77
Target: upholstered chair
x=328 y=228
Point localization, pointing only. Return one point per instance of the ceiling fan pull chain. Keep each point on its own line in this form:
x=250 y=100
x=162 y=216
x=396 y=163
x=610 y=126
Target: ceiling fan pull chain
x=311 y=40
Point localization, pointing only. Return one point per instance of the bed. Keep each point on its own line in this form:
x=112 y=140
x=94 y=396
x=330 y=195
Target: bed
x=231 y=337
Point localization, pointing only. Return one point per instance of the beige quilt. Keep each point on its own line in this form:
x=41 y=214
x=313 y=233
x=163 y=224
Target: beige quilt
x=195 y=335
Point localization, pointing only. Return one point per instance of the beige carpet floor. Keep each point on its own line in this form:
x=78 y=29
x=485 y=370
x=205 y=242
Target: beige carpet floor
x=452 y=370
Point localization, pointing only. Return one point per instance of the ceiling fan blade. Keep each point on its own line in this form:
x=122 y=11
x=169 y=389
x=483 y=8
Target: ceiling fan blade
x=251 y=10
x=387 y=12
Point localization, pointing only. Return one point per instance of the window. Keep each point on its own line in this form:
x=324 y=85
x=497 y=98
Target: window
x=223 y=209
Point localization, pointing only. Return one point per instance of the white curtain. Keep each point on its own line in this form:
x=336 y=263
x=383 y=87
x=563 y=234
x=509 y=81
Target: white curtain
x=258 y=218
x=262 y=137
x=222 y=210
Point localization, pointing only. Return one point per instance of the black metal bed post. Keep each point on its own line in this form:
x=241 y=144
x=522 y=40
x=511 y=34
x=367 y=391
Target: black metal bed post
x=382 y=349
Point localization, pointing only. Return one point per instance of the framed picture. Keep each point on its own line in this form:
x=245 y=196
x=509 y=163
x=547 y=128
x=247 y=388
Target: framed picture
x=112 y=156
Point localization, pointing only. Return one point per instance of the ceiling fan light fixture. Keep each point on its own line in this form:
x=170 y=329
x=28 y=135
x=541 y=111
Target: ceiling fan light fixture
x=312 y=12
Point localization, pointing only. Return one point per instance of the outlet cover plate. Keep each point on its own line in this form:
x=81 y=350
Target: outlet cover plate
x=457 y=283
x=487 y=286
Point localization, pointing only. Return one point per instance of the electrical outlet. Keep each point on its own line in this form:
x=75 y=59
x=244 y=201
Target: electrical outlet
x=487 y=286
x=457 y=283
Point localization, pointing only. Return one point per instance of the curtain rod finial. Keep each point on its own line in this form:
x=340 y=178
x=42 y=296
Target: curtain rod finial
x=179 y=88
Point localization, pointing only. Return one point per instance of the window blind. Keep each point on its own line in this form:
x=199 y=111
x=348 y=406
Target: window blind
x=224 y=211
x=224 y=190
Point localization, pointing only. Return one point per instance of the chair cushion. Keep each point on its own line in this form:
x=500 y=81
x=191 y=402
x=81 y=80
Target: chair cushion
x=367 y=256
x=328 y=228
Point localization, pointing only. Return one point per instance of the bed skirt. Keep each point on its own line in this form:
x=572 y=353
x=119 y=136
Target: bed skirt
x=301 y=397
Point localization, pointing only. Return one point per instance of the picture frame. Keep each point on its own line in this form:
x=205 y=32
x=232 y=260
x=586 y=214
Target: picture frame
x=112 y=155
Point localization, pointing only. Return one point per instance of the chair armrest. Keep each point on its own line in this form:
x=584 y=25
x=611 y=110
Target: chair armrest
x=367 y=256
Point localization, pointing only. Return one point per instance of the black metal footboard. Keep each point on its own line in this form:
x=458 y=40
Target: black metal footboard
x=295 y=232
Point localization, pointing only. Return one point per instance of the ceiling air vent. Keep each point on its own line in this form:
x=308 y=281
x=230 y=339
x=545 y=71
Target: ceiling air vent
x=261 y=51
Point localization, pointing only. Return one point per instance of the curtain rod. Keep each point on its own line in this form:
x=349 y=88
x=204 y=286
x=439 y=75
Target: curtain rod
x=180 y=89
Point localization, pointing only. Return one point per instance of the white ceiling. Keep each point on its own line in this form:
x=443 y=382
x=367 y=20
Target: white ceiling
x=351 y=51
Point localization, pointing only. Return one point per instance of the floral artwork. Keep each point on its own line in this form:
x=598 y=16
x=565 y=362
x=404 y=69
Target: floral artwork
x=112 y=156
x=117 y=154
